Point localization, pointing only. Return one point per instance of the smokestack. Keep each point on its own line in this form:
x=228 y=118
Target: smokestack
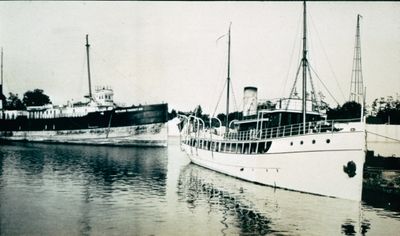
x=2 y=97
x=250 y=101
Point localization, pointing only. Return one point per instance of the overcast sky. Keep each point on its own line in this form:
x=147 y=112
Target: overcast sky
x=167 y=51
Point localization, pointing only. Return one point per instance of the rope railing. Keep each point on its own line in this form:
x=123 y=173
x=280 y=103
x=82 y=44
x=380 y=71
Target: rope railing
x=288 y=130
x=312 y=127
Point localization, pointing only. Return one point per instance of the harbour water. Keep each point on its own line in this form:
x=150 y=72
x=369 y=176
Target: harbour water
x=48 y=189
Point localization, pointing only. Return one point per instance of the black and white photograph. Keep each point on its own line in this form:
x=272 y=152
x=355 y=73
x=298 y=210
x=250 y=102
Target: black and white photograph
x=200 y=118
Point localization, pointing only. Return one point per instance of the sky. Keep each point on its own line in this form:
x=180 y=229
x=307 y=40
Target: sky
x=151 y=52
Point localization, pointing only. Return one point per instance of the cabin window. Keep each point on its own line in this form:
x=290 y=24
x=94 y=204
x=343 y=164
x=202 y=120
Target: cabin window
x=246 y=148
x=239 y=148
x=301 y=142
x=222 y=147
x=261 y=147
x=230 y=148
x=291 y=143
x=253 y=147
x=328 y=141
x=313 y=142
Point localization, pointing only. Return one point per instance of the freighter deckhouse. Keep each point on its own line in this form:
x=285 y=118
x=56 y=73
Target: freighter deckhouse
x=290 y=145
x=99 y=121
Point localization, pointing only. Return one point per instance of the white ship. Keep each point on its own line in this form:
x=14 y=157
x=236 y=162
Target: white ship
x=290 y=146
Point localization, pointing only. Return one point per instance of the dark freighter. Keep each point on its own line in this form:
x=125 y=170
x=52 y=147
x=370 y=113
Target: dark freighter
x=98 y=122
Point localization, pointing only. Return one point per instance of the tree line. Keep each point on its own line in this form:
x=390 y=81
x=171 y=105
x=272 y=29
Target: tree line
x=36 y=97
x=382 y=111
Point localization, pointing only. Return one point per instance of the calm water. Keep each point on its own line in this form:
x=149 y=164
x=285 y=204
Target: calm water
x=85 y=190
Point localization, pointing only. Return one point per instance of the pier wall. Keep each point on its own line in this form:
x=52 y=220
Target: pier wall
x=384 y=140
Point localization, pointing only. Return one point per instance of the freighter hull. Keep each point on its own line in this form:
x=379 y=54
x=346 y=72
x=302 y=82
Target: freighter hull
x=135 y=135
x=310 y=165
x=134 y=126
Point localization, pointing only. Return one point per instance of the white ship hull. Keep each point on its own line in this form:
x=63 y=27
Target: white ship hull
x=135 y=135
x=317 y=168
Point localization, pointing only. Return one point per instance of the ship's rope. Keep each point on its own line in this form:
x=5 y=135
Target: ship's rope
x=323 y=84
x=234 y=98
x=327 y=59
x=219 y=99
x=383 y=136
x=109 y=125
x=313 y=93
x=294 y=85
x=291 y=56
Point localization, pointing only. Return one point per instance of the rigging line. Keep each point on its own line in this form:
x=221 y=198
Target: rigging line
x=383 y=136
x=234 y=98
x=294 y=85
x=220 y=37
x=313 y=93
x=296 y=78
x=327 y=59
x=219 y=99
x=291 y=56
x=324 y=85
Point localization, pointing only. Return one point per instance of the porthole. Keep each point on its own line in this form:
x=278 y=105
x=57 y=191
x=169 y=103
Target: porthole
x=328 y=141
x=313 y=142
x=291 y=143
x=241 y=169
x=301 y=142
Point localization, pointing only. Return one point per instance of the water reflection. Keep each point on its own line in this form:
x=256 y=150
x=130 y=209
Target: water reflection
x=389 y=202
x=256 y=209
x=103 y=166
x=75 y=185
x=349 y=227
x=86 y=190
x=193 y=188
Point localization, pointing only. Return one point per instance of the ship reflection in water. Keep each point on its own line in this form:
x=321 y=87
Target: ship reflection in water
x=90 y=190
x=257 y=209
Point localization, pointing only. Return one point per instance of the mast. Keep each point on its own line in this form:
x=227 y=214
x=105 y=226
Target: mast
x=88 y=65
x=2 y=97
x=228 y=79
x=356 y=85
x=1 y=68
x=304 y=65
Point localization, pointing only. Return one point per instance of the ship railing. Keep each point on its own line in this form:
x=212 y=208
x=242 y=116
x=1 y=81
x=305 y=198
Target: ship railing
x=312 y=127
